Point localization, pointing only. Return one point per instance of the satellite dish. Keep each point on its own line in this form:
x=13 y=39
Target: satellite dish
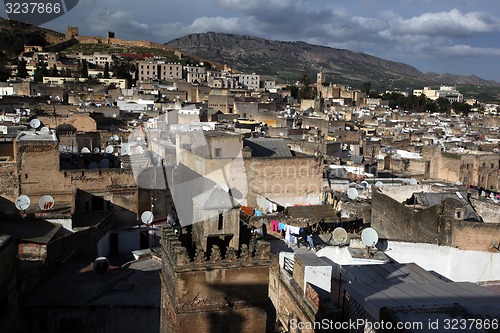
x=115 y=137
x=139 y=150
x=426 y=142
x=364 y=184
x=340 y=235
x=104 y=163
x=44 y=130
x=413 y=181
x=379 y=183
x=147 y=217
x=110 y=149
x=459 y=183
x=93 y=165
x=46 y=202
x=96 y=150
x=369 y=237
x=125 y=149
x=262 y=231
x=35 y=123
x=101 y=266
x=171 y=218
x=352 y=193
x=23 y=202
x=85 y=150
x=114 y=115
x=281 y=134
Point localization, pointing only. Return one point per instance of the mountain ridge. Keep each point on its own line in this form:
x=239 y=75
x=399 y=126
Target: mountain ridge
x=272 y=57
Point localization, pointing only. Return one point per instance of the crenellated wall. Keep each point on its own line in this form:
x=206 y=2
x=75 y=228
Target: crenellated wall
x=214 y=294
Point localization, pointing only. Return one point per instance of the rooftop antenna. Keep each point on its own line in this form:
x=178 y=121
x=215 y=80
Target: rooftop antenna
x=46 y=202
x=125 y=149
x=340 y=236
x=352 y=193
x=35 y=123
x=147 y=218
x=23 y=202
x=369 y=237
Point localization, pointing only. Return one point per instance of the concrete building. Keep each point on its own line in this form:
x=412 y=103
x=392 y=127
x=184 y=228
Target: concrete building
x=448 y=92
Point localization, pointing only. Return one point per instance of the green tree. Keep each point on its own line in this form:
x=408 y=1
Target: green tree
x=21 y=68
x=53 y=71
x=461 y=107
x=443 y=105
x=106 y=70
x=306 y=91
x=84 y=70
x=367 y=87
x=40 y=72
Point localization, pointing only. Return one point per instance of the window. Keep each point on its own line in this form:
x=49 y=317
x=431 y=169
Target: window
x=492 y=165
x=221 y=222
x=218 y=152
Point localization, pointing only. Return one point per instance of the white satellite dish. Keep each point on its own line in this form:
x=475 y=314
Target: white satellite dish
x=114 y=115
x=35 y=123
x=44 y=130
x=46 y=202
x=23 y=202
x=340 y=235
x=352 y=193
x=281 y=134
x=115 y=137
x=364 y=184
x=369 y=237
x=93 y=165
x=139 y=150
x=413 y=181
x=110 y=149
x=147 y=217
x=379 y=183
x=96 y=150
x=85 y=150
x=125 y=149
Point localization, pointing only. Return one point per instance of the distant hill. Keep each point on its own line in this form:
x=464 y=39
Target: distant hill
x=287 y=60
x=14 y=35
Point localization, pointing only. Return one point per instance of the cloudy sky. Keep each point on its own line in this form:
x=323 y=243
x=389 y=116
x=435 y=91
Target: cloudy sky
x=443 y=36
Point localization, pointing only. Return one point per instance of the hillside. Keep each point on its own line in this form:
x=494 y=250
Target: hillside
x=286 y=60
x=14 y=35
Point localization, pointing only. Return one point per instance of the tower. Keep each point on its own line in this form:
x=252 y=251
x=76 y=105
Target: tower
x=320 y=77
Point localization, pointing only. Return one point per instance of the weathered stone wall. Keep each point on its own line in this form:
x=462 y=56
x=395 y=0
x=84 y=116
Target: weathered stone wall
x=434 y=225
x=215 y=295
x=475 y=236
x=394 y=221
x=489 y=211
x=8 y=181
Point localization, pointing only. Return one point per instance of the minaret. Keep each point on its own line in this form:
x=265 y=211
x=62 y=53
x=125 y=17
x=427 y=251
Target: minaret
x=320 y=77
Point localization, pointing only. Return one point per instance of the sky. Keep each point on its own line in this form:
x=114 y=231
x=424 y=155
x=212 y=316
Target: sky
x=442 y=36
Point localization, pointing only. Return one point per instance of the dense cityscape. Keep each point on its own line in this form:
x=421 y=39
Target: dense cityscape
x=145 y=189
